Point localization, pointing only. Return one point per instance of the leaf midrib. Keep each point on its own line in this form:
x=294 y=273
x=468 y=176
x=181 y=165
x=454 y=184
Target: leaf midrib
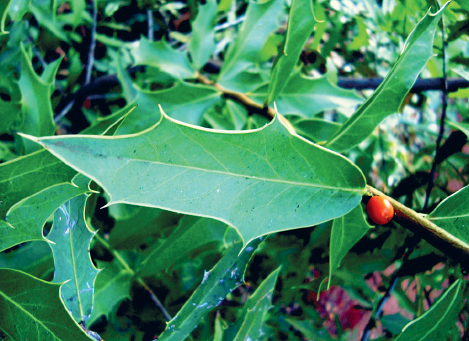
x=248 y=176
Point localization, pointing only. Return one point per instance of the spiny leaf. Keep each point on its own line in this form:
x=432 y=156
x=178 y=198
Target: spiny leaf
x=159 y=54
x=26 y=218
x=300 y=26
x=259 y=181
x=27 y=175
x=202 y=43
x=248 y=326
x=225 y=276
x=261 y=20
x=71 y=242
x=32 y=310
x=111 y=287
x=388 y=96
x=305 y=96
x=346 y=232
x=435 y=323
x=452 y=214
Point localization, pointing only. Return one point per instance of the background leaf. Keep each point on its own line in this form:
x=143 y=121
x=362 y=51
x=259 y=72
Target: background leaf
x=202 y=43
x=29 y=302
x=261 y=20
x=300 y=26
x=226 y=275
x=267 y=178
x=388 y=96
x=435 y=323
x=346 y=232
x=27 y=175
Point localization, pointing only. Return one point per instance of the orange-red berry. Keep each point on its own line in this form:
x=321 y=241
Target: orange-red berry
x=380 y=210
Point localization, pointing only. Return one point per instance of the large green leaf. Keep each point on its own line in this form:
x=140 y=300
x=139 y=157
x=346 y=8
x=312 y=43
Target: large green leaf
x=31 y=310
x=452 y=214
x=261 y=20
x=315 y=129
x=202 y=43
x=436 y=322
x=248 y=326
x=305 y=96
x=300 y=26
x=159 y=54
x=111 y=287
x=26 y=175
x=70 y=245
x=225 y=276
x=192 y=233
x=346 y=232
x=259 y=181
x=388 y=96
x=25 y=220
x=184 y=101
x=35 y=258
x=36 y=107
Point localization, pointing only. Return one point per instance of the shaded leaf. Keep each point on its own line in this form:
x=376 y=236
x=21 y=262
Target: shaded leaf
x=71 y=242
x=315 y=129
x=202 y=43
x=136 y=223
x=32 y=310
x=248 y=325
x=184 y=101
x=266 y=178
x=225 y=276
x=111 y=287
x=192 y=233
x=26 y=218
x=160 y=55
x=346 y=232
x=435 y=323
x=36 y=107
x=305 y=96
x=34 y=258
x=300 y=26
x=388 y=96
x=26 y=175
x=452 y=214
x=261 y=20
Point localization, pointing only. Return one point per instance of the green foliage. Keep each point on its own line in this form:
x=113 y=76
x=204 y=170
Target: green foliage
x=138 y=223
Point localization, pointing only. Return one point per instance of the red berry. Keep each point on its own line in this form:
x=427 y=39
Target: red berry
x=380 y=210
x=86 y=104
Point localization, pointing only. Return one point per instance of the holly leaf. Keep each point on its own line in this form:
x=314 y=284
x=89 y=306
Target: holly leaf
x=260 y=22
x=452 y=215
x=32 y=310
x=36 y=106
x=112 y=286
x=300 y=26
x=267 y=178
x=388 y=97
x=70 y=245
x=248 y=326
x=202 y=43
x=25 y=220
x=225 y=276
x=27 y=175
x=435 y=323
x=346 y=232
x=305 y=96
x=160 y=55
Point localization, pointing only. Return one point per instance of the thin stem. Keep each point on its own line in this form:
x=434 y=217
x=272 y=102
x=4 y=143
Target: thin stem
x=442 y=119
x=150 y=33
x=89 y=66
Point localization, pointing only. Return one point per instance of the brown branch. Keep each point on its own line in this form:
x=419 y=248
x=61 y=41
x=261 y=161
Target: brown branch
x=433 y=234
